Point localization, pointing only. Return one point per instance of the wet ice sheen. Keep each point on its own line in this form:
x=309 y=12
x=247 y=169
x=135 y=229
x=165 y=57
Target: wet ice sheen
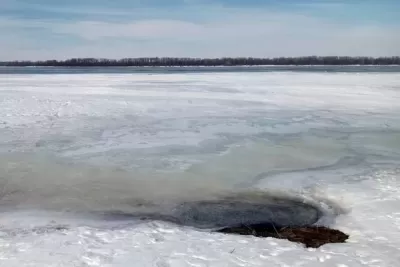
x=78 y=149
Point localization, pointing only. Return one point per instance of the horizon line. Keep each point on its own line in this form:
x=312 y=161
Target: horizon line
x=201 y=58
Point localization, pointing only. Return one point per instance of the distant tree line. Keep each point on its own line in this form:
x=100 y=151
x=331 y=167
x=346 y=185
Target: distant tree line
x=239 y=61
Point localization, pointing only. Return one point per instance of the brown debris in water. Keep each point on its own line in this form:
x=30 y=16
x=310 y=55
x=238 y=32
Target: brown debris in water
x=310 y=236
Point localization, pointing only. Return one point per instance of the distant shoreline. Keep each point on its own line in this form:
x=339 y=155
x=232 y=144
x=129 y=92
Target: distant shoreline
x=312 y=61
x=200 y=66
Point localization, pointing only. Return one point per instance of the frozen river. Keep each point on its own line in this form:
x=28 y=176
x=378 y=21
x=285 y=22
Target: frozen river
x=81 y=151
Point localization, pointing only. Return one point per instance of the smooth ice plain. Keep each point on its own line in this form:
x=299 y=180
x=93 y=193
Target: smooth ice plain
x=75 y=148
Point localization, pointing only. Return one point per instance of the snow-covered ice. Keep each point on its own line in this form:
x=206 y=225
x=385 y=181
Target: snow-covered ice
x=73 y=146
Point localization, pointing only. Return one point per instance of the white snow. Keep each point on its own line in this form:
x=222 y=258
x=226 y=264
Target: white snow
x=87 y=142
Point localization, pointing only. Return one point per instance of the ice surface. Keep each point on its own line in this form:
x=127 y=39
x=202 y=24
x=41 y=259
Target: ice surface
x=74 y=146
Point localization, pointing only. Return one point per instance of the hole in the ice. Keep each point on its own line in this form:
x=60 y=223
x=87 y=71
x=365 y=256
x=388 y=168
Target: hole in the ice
x=247 y=210
x=257 y=214
x=262 y=216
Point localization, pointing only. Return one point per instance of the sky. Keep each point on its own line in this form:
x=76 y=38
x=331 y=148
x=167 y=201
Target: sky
x=61 y=29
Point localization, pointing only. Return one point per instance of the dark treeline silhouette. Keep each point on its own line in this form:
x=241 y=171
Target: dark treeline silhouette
x=242 y=61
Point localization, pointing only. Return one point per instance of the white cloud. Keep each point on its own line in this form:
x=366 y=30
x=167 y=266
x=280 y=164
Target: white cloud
x=253 y=33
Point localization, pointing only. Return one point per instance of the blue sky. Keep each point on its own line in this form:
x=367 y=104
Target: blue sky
x=44 y=29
